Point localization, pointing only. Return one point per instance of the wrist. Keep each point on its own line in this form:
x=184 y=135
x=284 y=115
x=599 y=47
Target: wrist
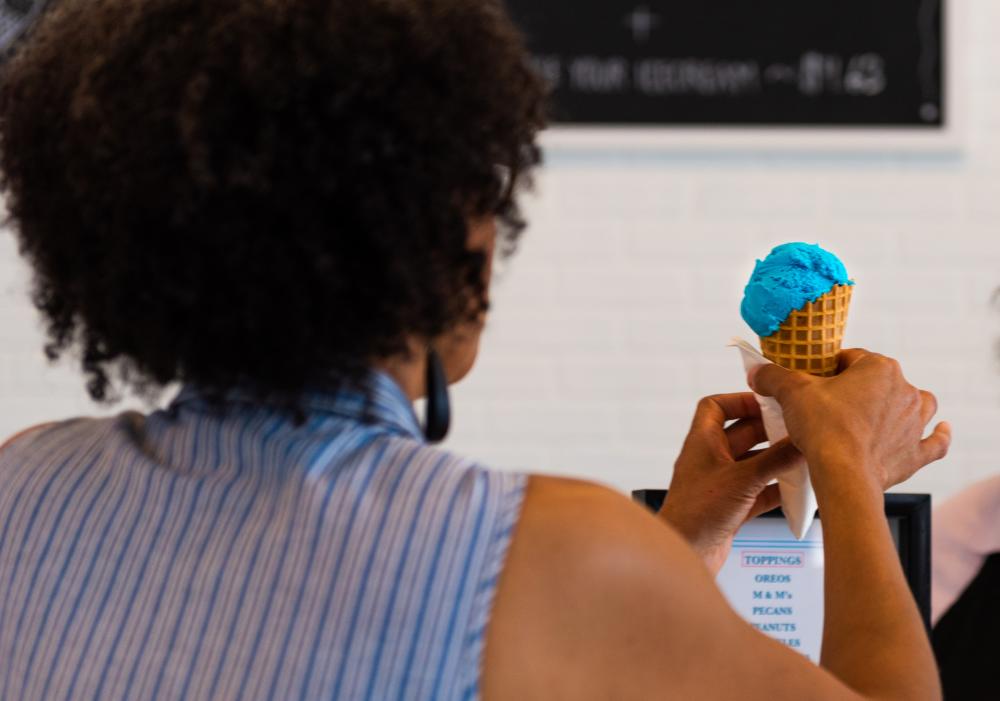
x=710 y=546
x=691 y=528
x=839 y=475
x=676 y=520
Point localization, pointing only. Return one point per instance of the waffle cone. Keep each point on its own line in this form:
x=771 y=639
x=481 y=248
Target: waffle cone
x=810 y=338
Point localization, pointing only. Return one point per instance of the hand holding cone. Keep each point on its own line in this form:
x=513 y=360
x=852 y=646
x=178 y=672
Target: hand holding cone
x=797 y=302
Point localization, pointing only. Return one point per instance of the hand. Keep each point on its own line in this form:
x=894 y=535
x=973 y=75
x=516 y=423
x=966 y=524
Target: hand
x=719 y=482
x=867 y=421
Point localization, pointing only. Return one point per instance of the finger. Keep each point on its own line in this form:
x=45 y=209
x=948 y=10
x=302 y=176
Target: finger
x=935 y=447
x=776 y=461
x=929 y=406
x=774 y=381
x=744 y=435
x=848 y=357
x=767 y=500
x=715 y=411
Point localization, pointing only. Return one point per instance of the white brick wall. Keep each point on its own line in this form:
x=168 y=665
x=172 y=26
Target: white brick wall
x=612 y=320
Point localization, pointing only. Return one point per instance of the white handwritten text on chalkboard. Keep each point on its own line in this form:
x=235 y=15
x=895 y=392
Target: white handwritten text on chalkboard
x=812 y=75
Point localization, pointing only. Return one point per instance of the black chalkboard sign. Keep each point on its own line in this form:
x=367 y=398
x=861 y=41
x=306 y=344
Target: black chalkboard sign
x=875 y=63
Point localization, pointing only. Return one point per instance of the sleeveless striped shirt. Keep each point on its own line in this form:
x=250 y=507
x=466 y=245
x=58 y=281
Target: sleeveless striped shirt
x=193 y=554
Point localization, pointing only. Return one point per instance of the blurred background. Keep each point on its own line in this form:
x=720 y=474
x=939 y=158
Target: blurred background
x=613 y=318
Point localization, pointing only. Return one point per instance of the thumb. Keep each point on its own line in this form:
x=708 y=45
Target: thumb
x=776 y=461
x=936 y=446
x=767 y=500
x=775 y=381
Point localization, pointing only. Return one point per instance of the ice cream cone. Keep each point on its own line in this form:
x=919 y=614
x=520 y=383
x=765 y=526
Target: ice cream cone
x=810 y=338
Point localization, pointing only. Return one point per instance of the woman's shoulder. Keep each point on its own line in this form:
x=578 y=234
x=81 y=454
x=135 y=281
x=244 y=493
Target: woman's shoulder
x=449 y=465
x=587 y=570
x=31 y=437
x=28 y=435
x=585 y=520
x=593 y=538
x=969 y=516
x=23 y=434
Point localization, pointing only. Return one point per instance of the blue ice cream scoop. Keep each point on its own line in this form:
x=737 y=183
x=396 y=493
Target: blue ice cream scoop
x=793 y=275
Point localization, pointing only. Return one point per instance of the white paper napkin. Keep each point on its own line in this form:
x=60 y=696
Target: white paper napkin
x=798 y=500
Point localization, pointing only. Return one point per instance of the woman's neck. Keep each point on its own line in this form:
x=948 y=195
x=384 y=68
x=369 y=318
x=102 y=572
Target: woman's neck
x=409 y=370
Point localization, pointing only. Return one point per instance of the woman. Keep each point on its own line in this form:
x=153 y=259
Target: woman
x=965 y=590
x=291 y=207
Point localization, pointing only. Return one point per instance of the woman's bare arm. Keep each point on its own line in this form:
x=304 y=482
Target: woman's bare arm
x=601 y=600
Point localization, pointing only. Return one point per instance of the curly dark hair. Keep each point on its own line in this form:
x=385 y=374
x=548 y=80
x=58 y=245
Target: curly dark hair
x=268 y=194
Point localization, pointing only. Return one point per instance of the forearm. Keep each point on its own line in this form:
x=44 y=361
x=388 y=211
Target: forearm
x=873 y=637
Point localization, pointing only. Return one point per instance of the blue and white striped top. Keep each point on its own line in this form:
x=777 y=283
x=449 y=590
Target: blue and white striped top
x=193 y=554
